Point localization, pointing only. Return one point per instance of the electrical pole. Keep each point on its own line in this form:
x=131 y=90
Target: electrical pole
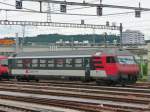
x=121 y=29
x=105 y=39
x=17 y=43
x=72 y=43
x=23 y=36
x=49 y=19
x=93 y=36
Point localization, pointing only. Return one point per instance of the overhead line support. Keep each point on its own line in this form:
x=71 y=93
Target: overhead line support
x=57 y=24
x=91 y=4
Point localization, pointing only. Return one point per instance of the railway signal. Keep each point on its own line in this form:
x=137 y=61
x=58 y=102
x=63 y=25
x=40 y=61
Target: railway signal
x=99 y=11
x=137 y=13
x=63 y=8
x=18 y=4
x=99 y=6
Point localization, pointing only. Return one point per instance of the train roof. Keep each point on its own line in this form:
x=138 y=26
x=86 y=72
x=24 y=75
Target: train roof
x=73 y=53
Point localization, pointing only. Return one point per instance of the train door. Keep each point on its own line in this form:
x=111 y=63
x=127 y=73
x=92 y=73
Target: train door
x=87 y=69
x=110 y=65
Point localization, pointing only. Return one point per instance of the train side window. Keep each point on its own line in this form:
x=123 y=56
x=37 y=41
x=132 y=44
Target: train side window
x=19 y=61
x=78 y=62
x=43 y=65
x=19 y=65
x=34 y=62
x=42 y=60
x=59 y=62
x=27 y=63
x=50 y=62
x=69 y=62
x=110 y=59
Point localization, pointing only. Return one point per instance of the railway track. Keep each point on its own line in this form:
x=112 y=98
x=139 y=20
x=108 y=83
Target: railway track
x=91 y=97
x=99 y=96
x=83 y=86
x=9 y=108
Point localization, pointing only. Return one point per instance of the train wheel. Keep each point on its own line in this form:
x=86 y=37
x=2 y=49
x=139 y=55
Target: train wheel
x=28 y=80
x=18 y=78
x=37 y=80
x=123 y=83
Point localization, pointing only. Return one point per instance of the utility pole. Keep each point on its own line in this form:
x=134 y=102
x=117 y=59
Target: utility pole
x=17 y=43
x=121 y=29
x=93 y=36
x=105 y=39
x=49 y=19
x=72 y=43
x=23 y=36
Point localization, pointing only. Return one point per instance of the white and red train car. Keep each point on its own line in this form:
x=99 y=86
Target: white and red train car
x=112 y=65
x=4 y=72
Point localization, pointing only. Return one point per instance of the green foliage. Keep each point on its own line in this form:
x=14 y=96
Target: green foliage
x=144 y=75
x=145 y=68
x=52 y=38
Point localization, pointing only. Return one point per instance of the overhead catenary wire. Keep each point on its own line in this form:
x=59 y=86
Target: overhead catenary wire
x=35 y=11
x=113 y=14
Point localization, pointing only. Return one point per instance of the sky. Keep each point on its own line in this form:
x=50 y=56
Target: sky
x=128 y=20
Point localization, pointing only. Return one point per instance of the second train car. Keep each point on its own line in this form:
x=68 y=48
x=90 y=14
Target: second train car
x=109 y=65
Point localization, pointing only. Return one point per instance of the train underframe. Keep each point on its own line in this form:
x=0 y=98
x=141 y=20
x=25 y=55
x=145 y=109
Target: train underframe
x=109 y=80
x=5 y=76
x=121 y=79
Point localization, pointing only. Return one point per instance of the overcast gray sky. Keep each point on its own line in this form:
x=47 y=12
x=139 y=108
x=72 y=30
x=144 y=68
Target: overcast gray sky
x=128 y=20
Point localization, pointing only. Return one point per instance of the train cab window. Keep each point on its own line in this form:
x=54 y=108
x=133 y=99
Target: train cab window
x=69 y=62
x=59 y=62
x=110 y=59
x=4 y=62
